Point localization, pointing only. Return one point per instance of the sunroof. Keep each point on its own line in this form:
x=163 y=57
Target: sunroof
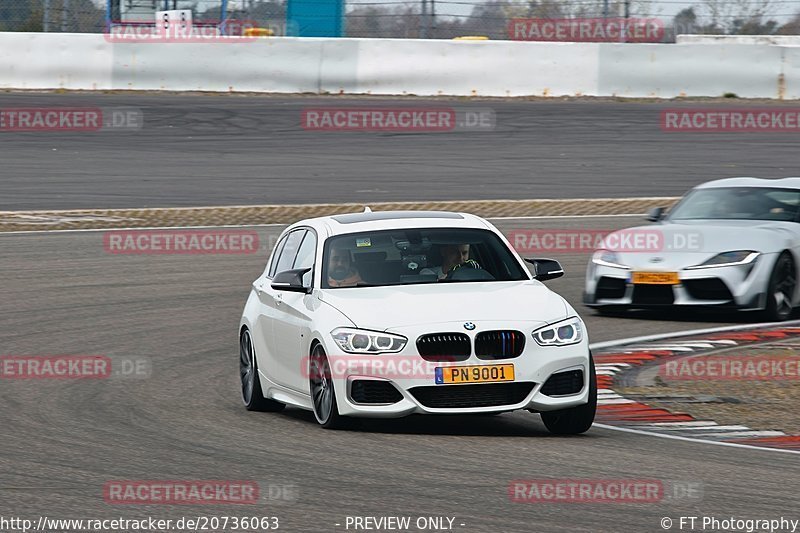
x=352 y=218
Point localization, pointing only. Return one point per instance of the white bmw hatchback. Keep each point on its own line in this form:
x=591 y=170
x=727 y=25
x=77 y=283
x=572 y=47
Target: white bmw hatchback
x=389 y=314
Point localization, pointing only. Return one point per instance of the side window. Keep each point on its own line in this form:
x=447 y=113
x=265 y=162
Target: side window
x=306 y=255
x=273 y=265
x=289 y=251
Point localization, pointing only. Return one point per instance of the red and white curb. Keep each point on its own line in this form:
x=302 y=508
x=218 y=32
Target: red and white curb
x=617 y=412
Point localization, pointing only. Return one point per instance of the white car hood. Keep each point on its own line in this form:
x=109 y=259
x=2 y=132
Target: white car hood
x=713 y=237
x=384 y=308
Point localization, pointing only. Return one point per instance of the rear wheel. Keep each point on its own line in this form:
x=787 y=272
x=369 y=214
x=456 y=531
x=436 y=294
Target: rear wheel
x=323 y=396
x=780 y=289
x=251 y=385
x=578 y=419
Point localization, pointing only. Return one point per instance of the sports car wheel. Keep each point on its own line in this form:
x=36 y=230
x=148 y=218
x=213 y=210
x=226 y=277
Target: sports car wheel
x=251 y=385
x=323 y=397
x=578 y=419
x=780 y=290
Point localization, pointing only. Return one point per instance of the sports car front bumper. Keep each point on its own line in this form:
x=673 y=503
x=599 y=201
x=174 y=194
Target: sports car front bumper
x=733 y=287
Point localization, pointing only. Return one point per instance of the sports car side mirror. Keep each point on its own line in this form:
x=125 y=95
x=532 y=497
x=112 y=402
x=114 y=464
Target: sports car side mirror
x=291 y=280
x=545 y=269
x=655 y=214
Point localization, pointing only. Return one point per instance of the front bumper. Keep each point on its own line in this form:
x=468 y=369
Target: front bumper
x=731 y=287
x=417 y=391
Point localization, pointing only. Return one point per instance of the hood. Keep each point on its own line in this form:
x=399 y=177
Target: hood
x=382 y=308
x=687 y=243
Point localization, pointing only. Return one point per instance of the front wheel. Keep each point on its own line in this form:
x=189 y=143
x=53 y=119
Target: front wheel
x=578 y=419
x=323 y=397
x=780 y=289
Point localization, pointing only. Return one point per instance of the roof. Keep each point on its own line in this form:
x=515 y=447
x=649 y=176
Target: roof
x=387 y=220
x=782 y=183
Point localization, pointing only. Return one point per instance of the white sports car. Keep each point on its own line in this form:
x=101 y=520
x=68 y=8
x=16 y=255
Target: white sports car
x=731 y=243
x=389 y=314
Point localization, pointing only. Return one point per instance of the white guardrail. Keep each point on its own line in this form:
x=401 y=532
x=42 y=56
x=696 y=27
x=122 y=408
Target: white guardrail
x=400 y=66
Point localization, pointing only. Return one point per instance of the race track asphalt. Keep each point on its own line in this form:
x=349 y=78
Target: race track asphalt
x=198 y=150
x=62 y=441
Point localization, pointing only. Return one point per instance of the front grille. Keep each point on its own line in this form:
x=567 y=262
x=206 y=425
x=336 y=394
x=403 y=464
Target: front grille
x=444 y=347
x=374 y=391
x=482 y=395
x=499 y=344
x=610 y=288
x=653 y=295
x=707 y=289
x=563 y=383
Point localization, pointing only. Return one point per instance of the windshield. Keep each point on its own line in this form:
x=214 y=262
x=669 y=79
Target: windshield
x=739 y=203
x=402 y=257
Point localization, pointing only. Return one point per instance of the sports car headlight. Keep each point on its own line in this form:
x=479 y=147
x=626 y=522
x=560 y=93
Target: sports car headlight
x=737 y=258
x=353 y=340
x=607 y=258
x=569 y=331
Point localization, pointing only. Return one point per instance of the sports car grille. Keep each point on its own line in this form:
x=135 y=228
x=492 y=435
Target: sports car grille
x=444 y=347
x=707 y=289
x=374 y=391
x=499 y=344
x=482 y=395
x=563 y=383
x=653 y=295
x=610 y=288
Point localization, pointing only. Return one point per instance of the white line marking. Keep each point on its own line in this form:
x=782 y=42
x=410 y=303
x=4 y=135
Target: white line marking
x=687 y=424
x=660 y=336
x=742 y=434
x=706 y=428
x=691 y=439
x=614 y=401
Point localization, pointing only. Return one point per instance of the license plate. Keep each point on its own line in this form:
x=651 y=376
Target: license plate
x=655 y=278
x=474 y=374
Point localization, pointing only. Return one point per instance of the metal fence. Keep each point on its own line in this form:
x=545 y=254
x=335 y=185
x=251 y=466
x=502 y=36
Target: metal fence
x=433 y=19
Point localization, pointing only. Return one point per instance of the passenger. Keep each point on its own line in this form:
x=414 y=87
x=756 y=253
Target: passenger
x=341 y=272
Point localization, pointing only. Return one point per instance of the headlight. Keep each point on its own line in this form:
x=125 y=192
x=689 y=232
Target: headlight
x=607 y=258
x=740 y=257
x=569 y=331
x=353 y=340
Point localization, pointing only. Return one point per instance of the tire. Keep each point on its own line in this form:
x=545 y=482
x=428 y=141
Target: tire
x=323 y=395
x=251 y=384
x=574 y=420
x=780 y=289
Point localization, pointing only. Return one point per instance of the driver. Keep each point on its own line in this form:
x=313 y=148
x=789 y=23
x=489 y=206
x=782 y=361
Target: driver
x=453 y=256
x=341 y=272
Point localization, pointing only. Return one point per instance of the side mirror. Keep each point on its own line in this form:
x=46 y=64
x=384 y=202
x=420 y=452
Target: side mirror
x=655 y=214
x=545 y=269
x=291 y=280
